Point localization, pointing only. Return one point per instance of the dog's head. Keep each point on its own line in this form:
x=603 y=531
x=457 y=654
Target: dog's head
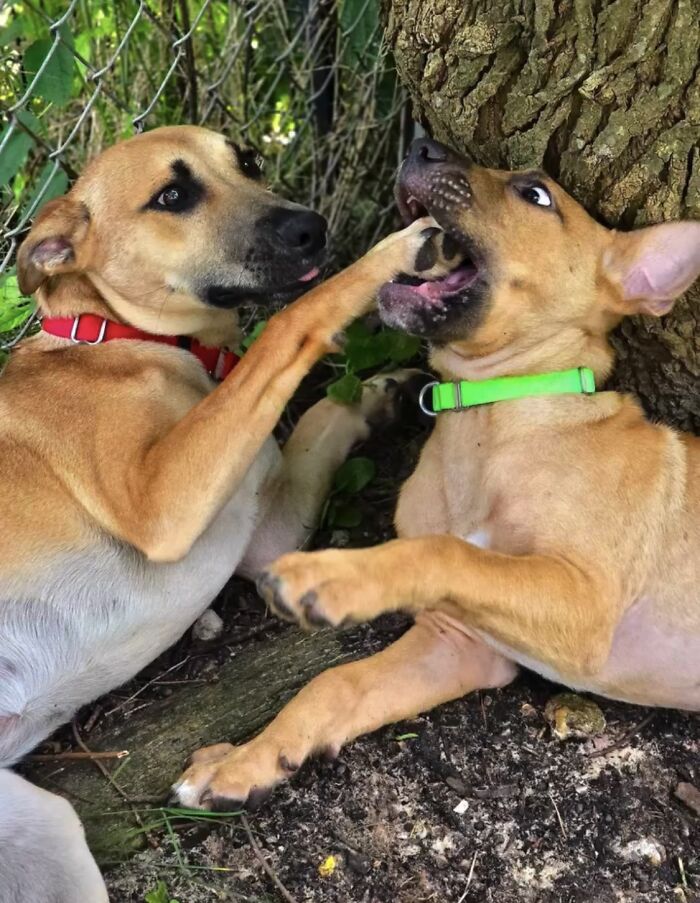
x=536 y=275
x=170 y=225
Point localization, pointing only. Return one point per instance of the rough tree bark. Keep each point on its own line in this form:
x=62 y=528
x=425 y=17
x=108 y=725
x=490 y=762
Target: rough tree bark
x=605 y=95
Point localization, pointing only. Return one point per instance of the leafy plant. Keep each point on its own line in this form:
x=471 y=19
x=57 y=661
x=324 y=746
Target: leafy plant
x=159 y=894
x=54 y=59
x=367 y=350
x=14 y=307
x=351 y=478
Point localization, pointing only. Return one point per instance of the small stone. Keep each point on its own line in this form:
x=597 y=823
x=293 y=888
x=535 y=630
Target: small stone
x=688 y=794
x=207 y=627
x=358 y=862
x=528 y=711
x=340 y=539
x=461 y=807
x=570 y=715
x=456 y=784
x=646 y=850
x=501 y=792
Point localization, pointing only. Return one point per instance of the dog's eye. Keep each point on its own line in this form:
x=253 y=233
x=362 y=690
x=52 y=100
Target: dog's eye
x=536 y=194
x=174 y=197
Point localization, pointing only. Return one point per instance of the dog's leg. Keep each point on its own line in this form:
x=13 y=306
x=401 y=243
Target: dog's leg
x=163 y=501
x=432 y=663
x=319 y=444
x=43 y=854
x=552 y=609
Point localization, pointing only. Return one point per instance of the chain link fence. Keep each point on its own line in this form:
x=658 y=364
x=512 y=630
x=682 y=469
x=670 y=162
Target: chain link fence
x=308 y=82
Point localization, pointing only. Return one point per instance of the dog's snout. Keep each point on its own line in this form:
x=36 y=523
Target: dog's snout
x=303 y=231
x=425 y=150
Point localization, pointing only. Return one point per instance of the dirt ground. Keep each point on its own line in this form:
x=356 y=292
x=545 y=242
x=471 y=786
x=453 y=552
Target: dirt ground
x=476 y=801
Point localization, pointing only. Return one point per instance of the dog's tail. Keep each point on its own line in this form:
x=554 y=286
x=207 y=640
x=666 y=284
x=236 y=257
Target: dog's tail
x=43 y=853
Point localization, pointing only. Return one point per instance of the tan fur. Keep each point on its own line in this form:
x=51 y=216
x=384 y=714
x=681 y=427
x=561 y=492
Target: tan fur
x=133 y=486
x=107 y=439
x=560 y=532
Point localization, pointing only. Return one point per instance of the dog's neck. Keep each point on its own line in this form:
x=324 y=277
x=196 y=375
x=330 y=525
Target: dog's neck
x=563 y=350
x=72 y=295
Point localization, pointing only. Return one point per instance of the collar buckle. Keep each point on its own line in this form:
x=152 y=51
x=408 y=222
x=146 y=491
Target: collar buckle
x=100 y=334
x=421 y=399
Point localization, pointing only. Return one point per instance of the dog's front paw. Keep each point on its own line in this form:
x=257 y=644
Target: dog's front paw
x=421 y=249
x=322 y=589
x=226 y=778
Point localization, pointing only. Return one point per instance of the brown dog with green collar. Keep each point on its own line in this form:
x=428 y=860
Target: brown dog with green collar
x=555 y=528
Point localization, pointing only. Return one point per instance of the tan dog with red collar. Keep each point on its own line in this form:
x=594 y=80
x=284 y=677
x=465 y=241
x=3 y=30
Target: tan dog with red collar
x=133 y=487
x=560 y=532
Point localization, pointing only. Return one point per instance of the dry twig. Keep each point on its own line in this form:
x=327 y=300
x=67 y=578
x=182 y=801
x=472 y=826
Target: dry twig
x=269 y=871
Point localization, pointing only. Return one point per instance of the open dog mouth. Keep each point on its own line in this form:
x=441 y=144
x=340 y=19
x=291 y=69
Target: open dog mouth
x=420 y=305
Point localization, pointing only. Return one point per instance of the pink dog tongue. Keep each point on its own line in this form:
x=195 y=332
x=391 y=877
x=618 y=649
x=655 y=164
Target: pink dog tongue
x=451 y=283
x=312 y=274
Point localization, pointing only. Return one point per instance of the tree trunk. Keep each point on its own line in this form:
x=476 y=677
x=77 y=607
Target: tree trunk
x=605 y=95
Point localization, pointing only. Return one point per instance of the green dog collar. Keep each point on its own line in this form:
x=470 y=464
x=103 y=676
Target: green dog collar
x=466 y=394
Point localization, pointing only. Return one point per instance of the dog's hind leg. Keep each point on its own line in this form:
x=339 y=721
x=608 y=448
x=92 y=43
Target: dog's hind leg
x=43 y=853
x=434 y=662
x=319 y=444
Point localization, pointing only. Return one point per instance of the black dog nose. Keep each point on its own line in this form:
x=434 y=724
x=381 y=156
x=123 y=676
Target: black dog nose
x=425 y=150
x=303 y=231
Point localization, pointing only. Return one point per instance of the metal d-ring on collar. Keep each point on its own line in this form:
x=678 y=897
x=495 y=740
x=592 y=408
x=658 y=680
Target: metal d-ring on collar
x=100 y=335
x=421 y=398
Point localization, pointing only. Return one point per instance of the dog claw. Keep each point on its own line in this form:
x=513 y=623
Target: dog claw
x=330 y=753
x=340 y=340
x=268 y=587
x=314 y=617
x=286 y=765
x=257 y=797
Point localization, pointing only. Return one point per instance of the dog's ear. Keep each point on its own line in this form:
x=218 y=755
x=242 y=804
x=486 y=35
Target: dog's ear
x=652 y=267
x=54 y=243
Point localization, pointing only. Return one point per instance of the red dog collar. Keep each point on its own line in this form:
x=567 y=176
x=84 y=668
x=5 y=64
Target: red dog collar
x=89 y=329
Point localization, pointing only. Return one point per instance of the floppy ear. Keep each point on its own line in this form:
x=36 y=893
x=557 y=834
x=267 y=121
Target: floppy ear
x=54 y=243
x=651 y=267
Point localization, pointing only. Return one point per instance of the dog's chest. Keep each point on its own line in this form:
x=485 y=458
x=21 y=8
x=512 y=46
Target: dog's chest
x=450 y=492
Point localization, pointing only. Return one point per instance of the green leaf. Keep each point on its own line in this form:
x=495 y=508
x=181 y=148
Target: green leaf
x=50 y=184
x=359 y=22
x=159 y=894
x=346 y=390
x=401 y=737
x=402 y=347
x=365 y=350
x=16 y=29
x=13 y=154
x=344 y=514
x=14 y=307
x=354 y=475
x=55 y=84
